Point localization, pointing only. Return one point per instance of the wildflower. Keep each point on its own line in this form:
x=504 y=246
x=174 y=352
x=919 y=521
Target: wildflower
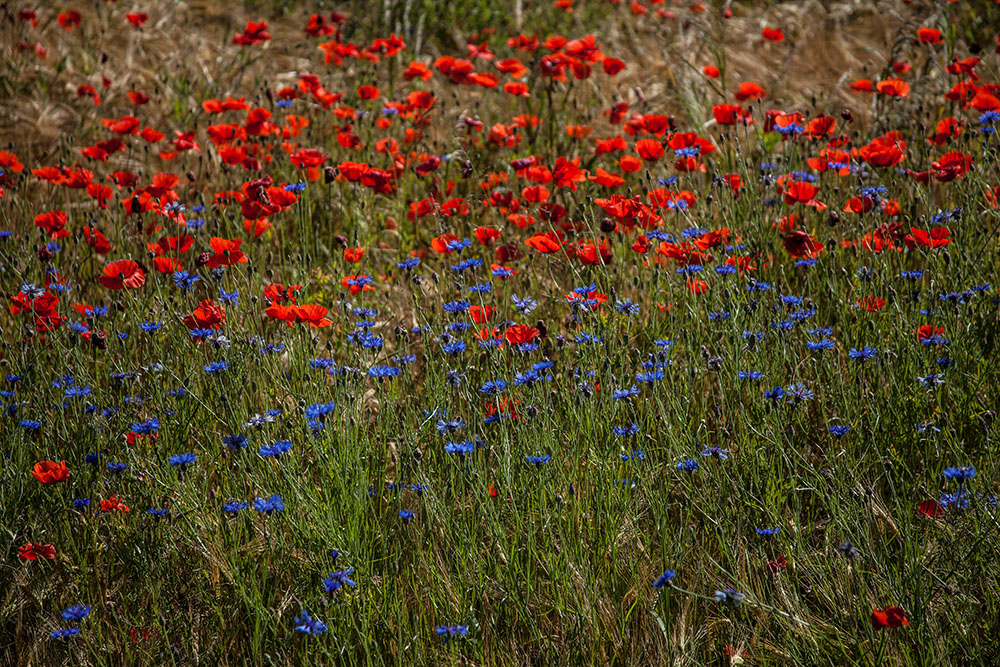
x=839 y=430
x=688 y=465
x=182 y=461
x=234 y=506
x=50 y=472
x=64 y=633
x=730 y=595
x=77 y=612
x=664 y=579
x=275 y=449
x=216 y=367
x=961 y=475
x=448 y=632
x=767 y=532
x=716 y=452
x=889 y=617
x=269 y=505
x=538 y=460
x=336 y=580
x=406 y=515
x=306 y=624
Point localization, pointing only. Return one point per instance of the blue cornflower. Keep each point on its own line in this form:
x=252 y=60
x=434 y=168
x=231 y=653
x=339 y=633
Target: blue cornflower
x=158 y=513
x=493 y=387
x=819 y=346
x=80 y=503
x=147 y=427
x=799 y=392
x=631 y=429
x=117 y=467
x=624 y=394
x=730 y=595
x=216 y=367
x=229 y=297
x=461 y=448
x=235 y=441
x=688 y=465
x=406 y=515
x=384 y=372
x=182 y=461
x=716 y=452
x=306 y=624
x=538 y=460
x=839 y=430
x=525 y=305
x=749 y=375
x=767 y=532
x=65 y=633
x=775 y=394
x=664 y=579
x=275 y=449
x=234 y=506
x=450 y=426
x=272 y=504
x=627 y=307
x=185 y=280
x=77 y=612
x=650 y=377
x=151 y=327
x=865 y=353
x=336 y=580
x=448 y=632
x=961 y=474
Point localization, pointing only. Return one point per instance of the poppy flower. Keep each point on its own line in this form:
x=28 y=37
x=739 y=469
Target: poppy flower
x=934 y=238
x=889 y=617
x=749 y=90
x=649 y=150
x=122 y=274
x=711 y=71
x=137 y=19
x=929 y=36
x=69 y=20
x=254 y=33
x=34 y=551
x=928 y=331
x=931 y=509
x=520 y=334
x=893 y=88
x=800 y=244
x=773 y=35
x=313 y=315
x=50 y=472
x=227 y=252
x=207 y=315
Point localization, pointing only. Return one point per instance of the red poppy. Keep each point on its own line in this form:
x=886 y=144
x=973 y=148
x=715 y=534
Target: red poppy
x=801 y=244
x=480 y=314
x=931 y=509
x=254 y=33
x=50 y=472
x=773 y=35
x=137 y=19
x=546 y=242
x=207 y=315
x=353 y=255
x=928 y=331
x=893 y=88
x=34 y=551
x=313 y=315
x=114 y=504
x=227 y=252
x=929 y=36
x=934 y=238
x=70 y=19
x=871 y=304
x=122 y=274
x=520 y=334
x=749 y=90
x=889 y=617
x=649 y=150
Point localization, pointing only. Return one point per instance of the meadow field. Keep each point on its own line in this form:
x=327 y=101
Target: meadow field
x=586 y=332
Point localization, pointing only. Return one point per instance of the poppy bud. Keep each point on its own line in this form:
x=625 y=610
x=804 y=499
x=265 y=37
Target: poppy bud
x=341 y=240
x=832 y=219
x=467 y=169
x=202 y=259
x=44 y=254
x=847 y=115
x=329 y=175
x=191 y=176
x=135 y=206
x=98 y=340
x=607 y=225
